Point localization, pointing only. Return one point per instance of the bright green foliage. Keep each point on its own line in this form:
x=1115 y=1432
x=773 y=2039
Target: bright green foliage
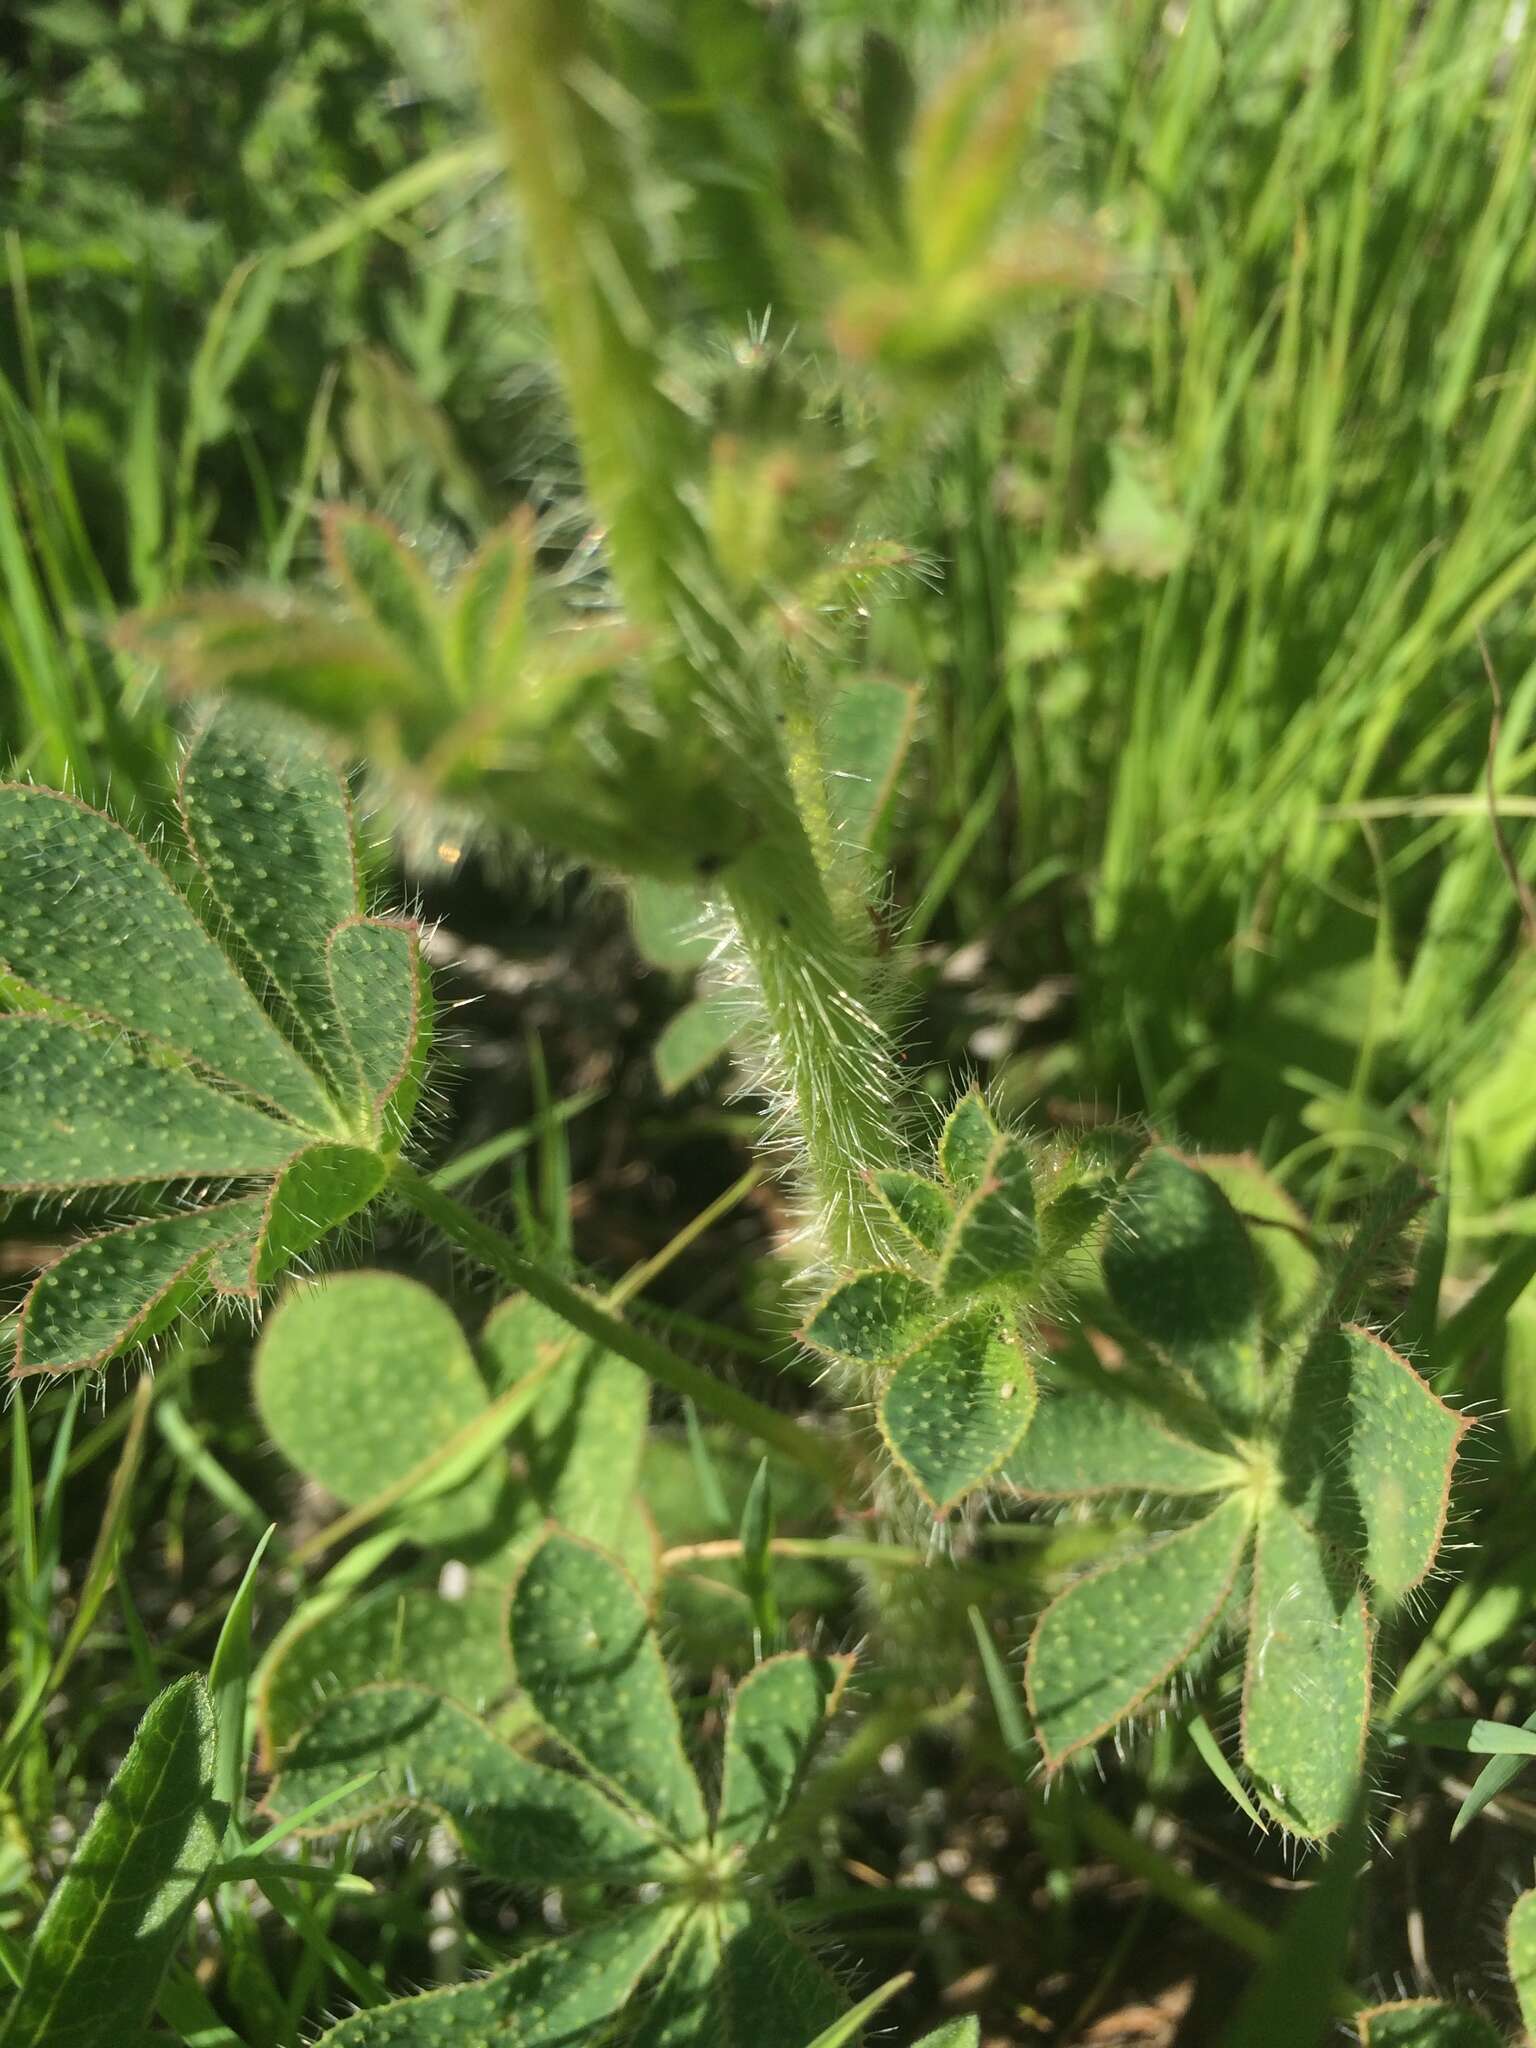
x=868 y=730
x=114 y=1920
x=557 y=1994
x=1520 y=1946
x=360 y=1379
x=1117 y=1635
x=145 y=1053
x=945 y=1331
x=1325 y=1455
x=514 y=1817
x=873 y=1318
x=586 y=1656
x=953 y=2034
x=1425 y=2023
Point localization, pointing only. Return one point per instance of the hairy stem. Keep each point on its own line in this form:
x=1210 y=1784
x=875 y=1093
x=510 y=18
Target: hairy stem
x=488 y=1247
x=827 y=1051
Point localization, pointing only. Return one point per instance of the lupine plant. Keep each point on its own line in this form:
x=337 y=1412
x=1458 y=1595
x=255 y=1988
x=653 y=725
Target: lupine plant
x=217 y=1051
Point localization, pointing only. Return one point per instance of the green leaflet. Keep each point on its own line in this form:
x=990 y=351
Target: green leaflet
x=271 y=825
x=375 y=983
x=669 y=925
x=515 y=1819
x=1181 y=1271
x=683 y=2009
x=1278 y=1232
x=121 y=1288
x=1520 y=1947
x=737 y=1979
x=88 y=919
x=873 y=1317
x=771 y=1993
x=1425 y=2023
x=389 y=587
x=115 y=1918
x=966 y=1143
x=317 y=1191
x=868 y=729
x=155 y=1063
x=964 y=2033
x=1369 y=1454
x=776 y=1719
x=1111 y=1640
x=361 y=1378
x=920 y=1207
x=487 y=624
x=585 y=1433
x=585 y=1654
x=1306 y=1696
x=555 y=1996
x=1083 y=1442
x=955 y=1407
x=691 y=1041
x=81 y=1110
x=994 y=1235
x=384 y=1634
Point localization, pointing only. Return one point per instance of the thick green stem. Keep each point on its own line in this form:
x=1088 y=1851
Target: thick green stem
x=817 y=1453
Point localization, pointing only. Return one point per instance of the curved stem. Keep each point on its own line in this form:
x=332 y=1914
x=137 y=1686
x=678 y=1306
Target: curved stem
x=490 y=1248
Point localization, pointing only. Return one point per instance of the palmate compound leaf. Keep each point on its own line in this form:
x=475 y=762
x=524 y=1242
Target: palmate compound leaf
x=586 y=1654
x=360 y=1378
x=148 y=1055
x=114 y=1919
x=1307 y=1686
x=514 y=1818
x=955 y=1407
x=557 y=1995
x=1113 y=1639
x=1425 y=2023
